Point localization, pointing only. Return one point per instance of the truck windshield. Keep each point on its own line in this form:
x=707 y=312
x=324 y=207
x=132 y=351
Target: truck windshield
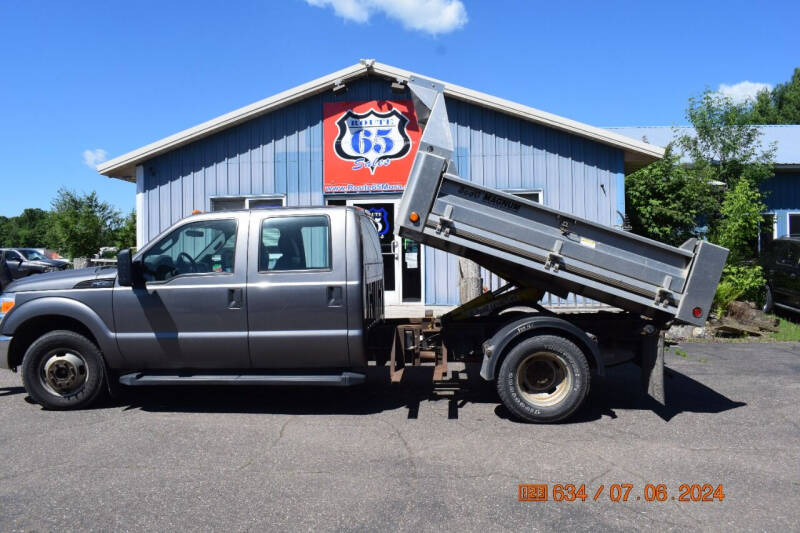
x=32 y=255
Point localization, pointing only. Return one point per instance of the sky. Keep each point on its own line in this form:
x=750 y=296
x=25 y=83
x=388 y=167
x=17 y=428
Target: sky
x=81 y=82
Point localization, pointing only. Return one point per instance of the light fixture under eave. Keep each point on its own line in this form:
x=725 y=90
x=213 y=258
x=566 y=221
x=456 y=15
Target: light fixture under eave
x=339 y=87
x=398 y=87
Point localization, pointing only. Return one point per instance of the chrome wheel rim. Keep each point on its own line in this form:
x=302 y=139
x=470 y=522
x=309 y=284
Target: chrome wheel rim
x=544 y=379
x=63 y=373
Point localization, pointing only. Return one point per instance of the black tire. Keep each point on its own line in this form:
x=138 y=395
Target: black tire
x=63 y=370
x=769 y=302
x=543 y=379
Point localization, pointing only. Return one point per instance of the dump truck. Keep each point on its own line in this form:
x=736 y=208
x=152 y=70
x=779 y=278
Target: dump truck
x=295 y=297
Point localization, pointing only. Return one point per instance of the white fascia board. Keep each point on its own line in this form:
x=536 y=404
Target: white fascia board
x=534 y=115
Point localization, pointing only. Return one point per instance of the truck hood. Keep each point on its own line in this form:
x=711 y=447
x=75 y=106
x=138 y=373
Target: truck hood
x=62 y=280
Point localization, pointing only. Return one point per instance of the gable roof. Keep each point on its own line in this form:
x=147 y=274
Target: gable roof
x=785 y=137
x=637 y=153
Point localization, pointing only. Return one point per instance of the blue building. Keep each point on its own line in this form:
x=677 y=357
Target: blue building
x=782 y=216
x=276 y=152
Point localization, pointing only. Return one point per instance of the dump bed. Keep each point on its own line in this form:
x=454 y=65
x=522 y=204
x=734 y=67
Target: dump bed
x=529 y=244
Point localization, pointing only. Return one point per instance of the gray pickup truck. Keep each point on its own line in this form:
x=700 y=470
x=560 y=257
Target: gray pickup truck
x=295 y=297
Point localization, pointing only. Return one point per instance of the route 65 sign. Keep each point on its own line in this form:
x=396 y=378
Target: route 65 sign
x=372 y=139
x=369 y=146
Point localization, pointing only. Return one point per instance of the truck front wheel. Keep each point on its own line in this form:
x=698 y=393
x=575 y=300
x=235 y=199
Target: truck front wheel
x=63 y=370
x=543 y=379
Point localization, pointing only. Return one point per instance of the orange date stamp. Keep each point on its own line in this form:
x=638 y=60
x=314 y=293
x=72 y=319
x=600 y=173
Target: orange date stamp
x=620 y=492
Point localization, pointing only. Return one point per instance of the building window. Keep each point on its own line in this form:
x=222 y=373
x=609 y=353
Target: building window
x=794 y=225
x=227 y=203
x=532 y=195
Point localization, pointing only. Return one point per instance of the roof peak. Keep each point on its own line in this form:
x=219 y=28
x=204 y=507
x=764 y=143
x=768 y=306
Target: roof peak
x=124 y=166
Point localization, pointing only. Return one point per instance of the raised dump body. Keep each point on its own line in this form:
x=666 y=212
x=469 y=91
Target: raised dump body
x=532 y=245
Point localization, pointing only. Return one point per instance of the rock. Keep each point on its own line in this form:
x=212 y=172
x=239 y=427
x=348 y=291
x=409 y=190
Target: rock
x=680 y=333
x=746 y=313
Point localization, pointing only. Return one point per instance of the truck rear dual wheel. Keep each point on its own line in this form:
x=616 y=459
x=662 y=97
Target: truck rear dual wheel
x=543 y=379
x=63 y=370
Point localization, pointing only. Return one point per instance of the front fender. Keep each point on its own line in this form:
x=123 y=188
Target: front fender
x=496 y=346
x=55 y=306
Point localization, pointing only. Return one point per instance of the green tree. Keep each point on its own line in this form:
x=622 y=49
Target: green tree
x=724 y=148
x=32 y=228
x=29 y=229
x=781 y=105
x=741 y=212
x=81 y=223
x=665 y=200
x=126 y=232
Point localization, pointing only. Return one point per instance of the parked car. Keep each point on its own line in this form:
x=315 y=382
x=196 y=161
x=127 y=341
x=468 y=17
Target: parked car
x=781 y=263
x=22 y=262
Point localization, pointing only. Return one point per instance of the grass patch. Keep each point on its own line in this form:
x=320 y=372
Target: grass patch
x=787 y=331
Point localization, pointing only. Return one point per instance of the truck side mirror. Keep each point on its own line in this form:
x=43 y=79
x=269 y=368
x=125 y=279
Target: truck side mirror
x=125 y=273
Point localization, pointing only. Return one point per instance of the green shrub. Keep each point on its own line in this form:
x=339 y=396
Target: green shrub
x=739 y=283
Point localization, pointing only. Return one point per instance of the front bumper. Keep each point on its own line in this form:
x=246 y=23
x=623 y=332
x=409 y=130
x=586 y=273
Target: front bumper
x=5 y=344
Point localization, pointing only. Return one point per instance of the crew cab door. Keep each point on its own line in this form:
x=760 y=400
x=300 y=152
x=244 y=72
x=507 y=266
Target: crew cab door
x=296 y=297
x=191 y=312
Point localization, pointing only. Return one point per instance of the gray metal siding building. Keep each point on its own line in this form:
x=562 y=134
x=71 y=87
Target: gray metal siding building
x=278 y=155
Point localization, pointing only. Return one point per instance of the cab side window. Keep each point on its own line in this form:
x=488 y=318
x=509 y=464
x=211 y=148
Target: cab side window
x=295 y=243
x=206 y=246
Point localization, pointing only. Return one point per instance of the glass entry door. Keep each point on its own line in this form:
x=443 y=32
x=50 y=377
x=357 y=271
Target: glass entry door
x=382 y=214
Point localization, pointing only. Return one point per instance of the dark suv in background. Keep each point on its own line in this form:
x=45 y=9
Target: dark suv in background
x=20 y=262
x=781 y=263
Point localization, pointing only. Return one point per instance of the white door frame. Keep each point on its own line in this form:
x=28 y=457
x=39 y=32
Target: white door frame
x=394 y=297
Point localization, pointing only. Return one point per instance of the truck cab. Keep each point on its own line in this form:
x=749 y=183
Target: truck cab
x=233 y=292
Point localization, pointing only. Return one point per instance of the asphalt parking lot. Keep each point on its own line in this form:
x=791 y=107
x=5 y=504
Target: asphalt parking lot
x=397 y=457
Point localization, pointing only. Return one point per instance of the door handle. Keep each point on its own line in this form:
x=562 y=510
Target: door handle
x=334 y=296
x=235 y=298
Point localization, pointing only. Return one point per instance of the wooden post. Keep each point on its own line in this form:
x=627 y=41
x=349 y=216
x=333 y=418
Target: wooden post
x=470 y=284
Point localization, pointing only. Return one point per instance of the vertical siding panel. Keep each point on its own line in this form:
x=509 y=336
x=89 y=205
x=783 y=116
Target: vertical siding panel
x=564 y=173
x=243 y=157
x=488 y=148
x=292 y=147
x=280 y=152
x=151 y=184
x=268 y=154
x=304 y=155
x=199 y=190
x=604 y=187
x=476 y=146
x=514 y=153
x=256 y=155
x=221 y=167
x=464 y=140
x=578 y=186
x=590 y=188
x=501 y=151
x=316 y=154
x=619 y=185
x=551 y=160
x=232 y=162
x=164 y=197
x=187 y=164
